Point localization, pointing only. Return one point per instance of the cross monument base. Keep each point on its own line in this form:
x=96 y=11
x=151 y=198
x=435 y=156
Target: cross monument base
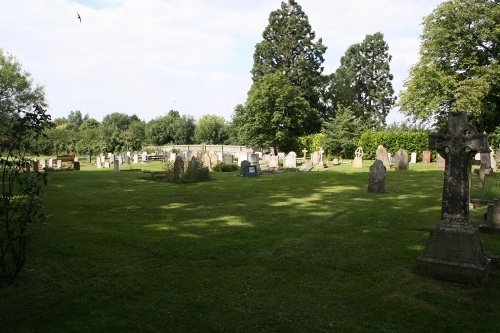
x=455 y=254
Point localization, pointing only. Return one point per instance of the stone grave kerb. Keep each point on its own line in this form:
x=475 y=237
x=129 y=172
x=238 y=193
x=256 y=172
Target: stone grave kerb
x=453 y=251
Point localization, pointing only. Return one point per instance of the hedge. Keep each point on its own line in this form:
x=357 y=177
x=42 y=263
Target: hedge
x=417 y=141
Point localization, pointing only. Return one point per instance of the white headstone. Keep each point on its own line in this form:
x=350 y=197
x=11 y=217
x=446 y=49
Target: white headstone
x=413 y=158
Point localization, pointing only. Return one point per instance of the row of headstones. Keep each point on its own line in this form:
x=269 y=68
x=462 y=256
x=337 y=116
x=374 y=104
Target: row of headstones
x=401 y=161
x=194 y=170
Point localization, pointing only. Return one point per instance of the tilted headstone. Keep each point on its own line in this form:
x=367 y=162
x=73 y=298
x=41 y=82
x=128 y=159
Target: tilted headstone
x=358 y=158
x=382 y=155
x=376 y=180
x=454 y=251
x=401 y=160
x=426 y=156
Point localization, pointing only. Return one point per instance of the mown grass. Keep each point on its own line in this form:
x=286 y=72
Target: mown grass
x=289 y=252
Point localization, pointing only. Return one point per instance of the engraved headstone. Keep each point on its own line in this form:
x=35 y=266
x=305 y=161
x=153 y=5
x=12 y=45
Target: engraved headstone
x=273 y=162
x=290 y=160
x=315 y=158
x=376 y=180
x=244 y=164
x=454 y=251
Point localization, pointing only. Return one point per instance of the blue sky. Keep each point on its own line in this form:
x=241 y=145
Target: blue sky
x=146 y=57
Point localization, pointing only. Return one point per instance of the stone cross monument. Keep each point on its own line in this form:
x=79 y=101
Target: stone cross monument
x=454 y=251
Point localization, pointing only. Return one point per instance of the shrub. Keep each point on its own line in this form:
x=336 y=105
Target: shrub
x=224 y=167
x=416 y=141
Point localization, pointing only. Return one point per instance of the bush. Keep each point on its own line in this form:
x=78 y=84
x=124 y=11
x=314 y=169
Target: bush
x=224 y=167
x=416 y=141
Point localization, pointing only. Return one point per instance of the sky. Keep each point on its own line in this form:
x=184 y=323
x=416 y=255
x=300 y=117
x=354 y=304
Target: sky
x=147 y=57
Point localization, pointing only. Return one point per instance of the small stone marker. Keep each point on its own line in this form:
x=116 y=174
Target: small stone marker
x=401 y=160
x=358 y=158
x=305 y=154
x=376 y=180
x=454 y=251
x=383 y=156
x=426 y=156
x=492 y=218
x=440 y=161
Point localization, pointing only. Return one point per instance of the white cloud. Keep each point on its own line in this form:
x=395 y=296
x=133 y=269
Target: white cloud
x=147 y=57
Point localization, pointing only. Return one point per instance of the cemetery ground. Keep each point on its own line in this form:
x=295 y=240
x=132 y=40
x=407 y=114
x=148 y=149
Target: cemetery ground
x=288 y=252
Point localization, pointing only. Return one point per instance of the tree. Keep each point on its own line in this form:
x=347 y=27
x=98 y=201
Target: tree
x=75 y=118
x=274 y=113
x=288 y=47
x=171 y=128
x=365 y=67
x=459 y=68
x=23 y=119
x=341 y=133
x=211 y=129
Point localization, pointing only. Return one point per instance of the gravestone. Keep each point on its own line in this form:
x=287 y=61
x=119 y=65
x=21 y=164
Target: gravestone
x=172 y=157
x=305 y=154
x=413 y=158
x=206 y=161
x=35 y=166
x=89 y=159
x=250 y=171
x=116 y=165
x=493 y=161
x=376 y=180
x=43 y=164
x=383 y=156
x=358 y=158
x=290 y=160
x=440 y=161
x=227 y=158
x=492 y=218
x=401 y=160
x=136 y=158
x=244 y=164
x=306 y=168
x=315 y=159
x=106 y=165
x=274 y=162
x=193 y=166
x=426 y=156
x=59 y=165
x=254 y=160
x=454 y=251
x=178 y=168
x=481 y=174
x=336 y=161
x=98 y=163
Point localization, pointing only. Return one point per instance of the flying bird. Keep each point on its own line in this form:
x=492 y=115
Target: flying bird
x=79 y=17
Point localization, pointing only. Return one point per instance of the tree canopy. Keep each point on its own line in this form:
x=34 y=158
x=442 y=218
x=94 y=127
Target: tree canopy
x=459 y=68
x=288 y=46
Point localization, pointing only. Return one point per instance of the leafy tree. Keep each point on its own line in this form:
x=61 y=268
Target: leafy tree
x=288 y=47
x=75 y=118
x=23 y=119
x=89 y=123
x=171 y=128
x=211 y=129
x=365 y=67
x=337 y=92
x=341 y=133
x=459 y=68
x=118 y=121
x=274 y=113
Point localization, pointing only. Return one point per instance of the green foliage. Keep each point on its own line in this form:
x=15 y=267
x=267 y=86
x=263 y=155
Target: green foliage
x=416 y=141
x=170 y=129
x=23 y=120
x=288 y=47
x=494 y=138
x=224 y=167
x=341 y=134
x=312 y=143
x=273 y=114
x=459 y=67
x=211 y=129
x=363 y=81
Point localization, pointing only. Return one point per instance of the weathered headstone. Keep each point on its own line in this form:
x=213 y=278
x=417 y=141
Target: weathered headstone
x=440 y=161
x=254 y=160
x=492 y=218
x=481 y=175
x=305 y=154
x=401 y=160
x=454 y=251
x=426 y=156
x=274 y=162
x=193 y=166
x=315 y=159
x=413 y=158
x=376 y=180
x=59 y=165
x=493 y=161
x=98 y=162
x=116 y=165
x=306 y=168
x=206 y=161
x=136 y=158
x=178 y=168
x=227 y=158
x=383 y=156
x=290 y=160
x=358 y=158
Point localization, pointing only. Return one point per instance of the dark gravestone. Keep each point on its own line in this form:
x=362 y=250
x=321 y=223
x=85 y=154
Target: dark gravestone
x=250 y=171
x=244 y=164
x=178 y=168
x=454 y=251
x=376 y=180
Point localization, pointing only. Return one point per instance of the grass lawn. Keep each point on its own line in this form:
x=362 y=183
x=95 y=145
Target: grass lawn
x=288 y=252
